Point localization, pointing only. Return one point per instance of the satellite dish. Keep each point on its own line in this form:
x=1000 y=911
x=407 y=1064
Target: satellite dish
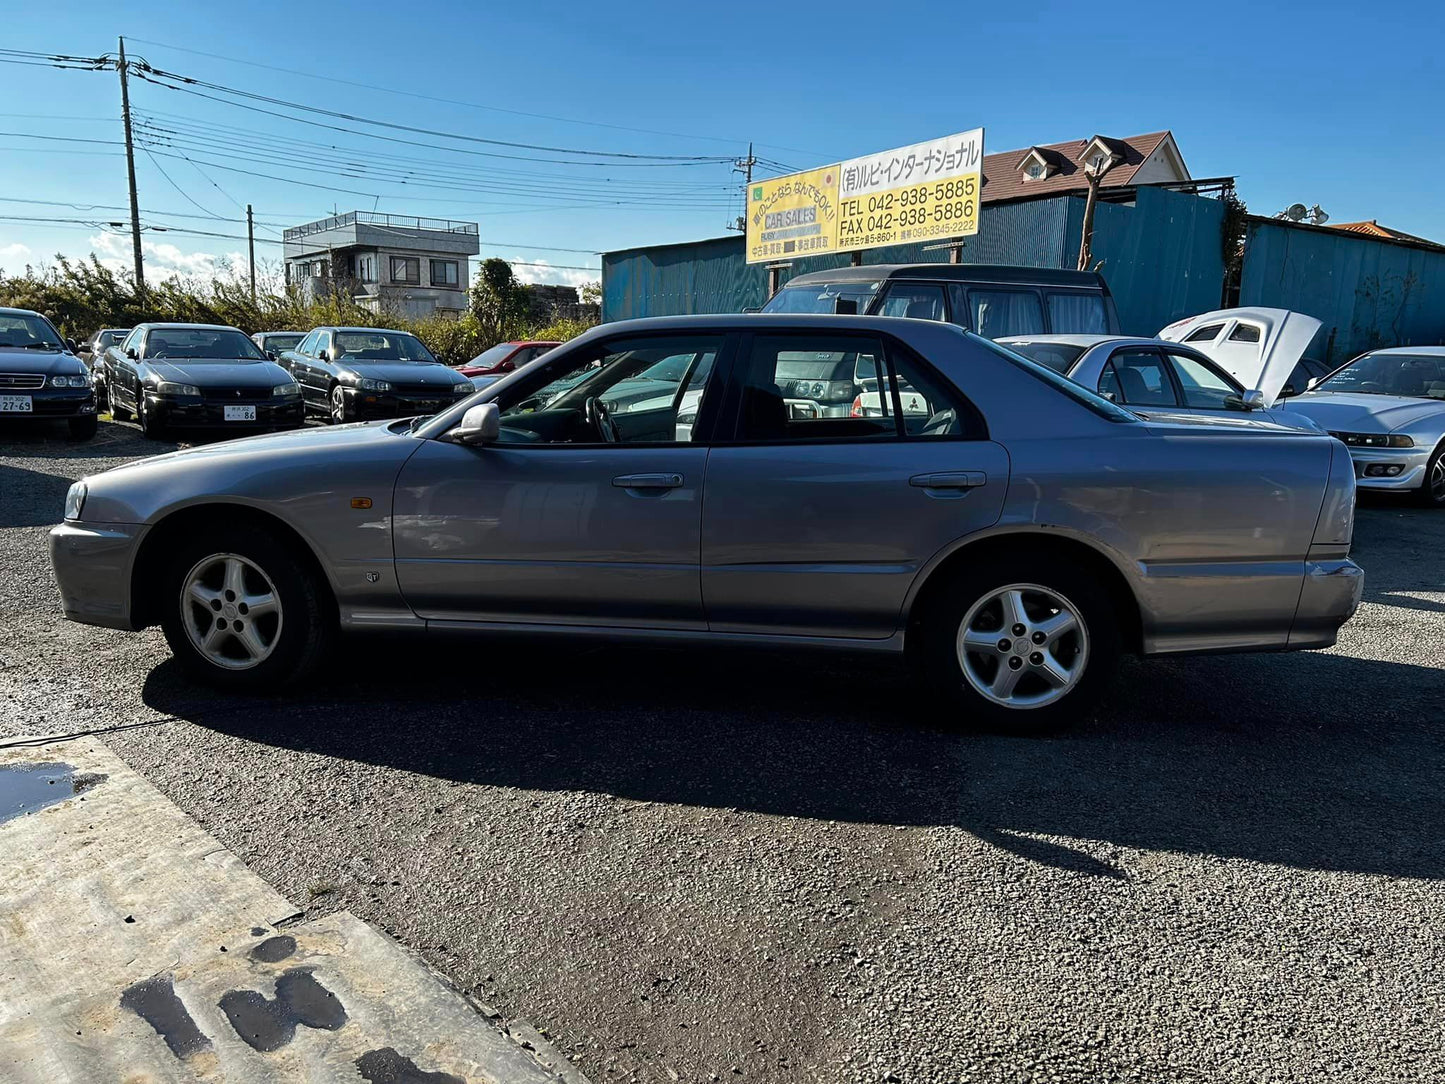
x=1295 y=212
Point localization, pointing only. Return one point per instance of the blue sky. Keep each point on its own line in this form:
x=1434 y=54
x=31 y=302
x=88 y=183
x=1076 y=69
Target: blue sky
x=1311 y=102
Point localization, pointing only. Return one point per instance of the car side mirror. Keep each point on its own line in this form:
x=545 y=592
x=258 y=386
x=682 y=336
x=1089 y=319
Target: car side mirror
x=132 y=353
x=845 y=306
x=1253 y=399
x=72 y=346
x=481 y=424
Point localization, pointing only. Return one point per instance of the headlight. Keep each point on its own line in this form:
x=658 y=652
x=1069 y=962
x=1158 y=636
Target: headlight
x=165 y=387
x=367 y=384
x=284 y=391
x=75 y=500
x=81 y=381
x=463 y=389
x=1375 y=440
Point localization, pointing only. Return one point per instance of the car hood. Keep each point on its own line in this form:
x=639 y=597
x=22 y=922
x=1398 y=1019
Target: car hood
x=38 y=361
x=404 y=372
x=1266 y=364
x=1353 y=412
x=220 y=374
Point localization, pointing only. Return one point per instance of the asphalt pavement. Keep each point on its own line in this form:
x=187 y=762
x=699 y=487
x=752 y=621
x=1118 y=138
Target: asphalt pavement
x=717 y=865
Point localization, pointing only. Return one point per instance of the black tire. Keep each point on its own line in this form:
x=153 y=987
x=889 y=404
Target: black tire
x=966 y=706
x=150 y=426
x=307 y=627
x=1432 y=488
x=116 y=412
x=83 y=427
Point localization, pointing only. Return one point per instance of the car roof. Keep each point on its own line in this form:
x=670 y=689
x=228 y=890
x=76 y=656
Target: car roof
x=378 y=330
x=764 y=321
x=952 y=272
x=188 y=327
x=1066 y=339
x=1428 y=351
x=18 y=312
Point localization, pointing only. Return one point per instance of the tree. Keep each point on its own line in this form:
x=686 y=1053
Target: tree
x=590 y=293
x=499 y=301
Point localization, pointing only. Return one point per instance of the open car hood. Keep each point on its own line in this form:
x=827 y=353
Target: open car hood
x=1258 y=347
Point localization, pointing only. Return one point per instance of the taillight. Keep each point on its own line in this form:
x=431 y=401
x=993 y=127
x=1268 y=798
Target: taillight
x=857 y=411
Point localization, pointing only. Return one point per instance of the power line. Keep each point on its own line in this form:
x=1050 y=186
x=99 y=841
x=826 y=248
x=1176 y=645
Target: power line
x=186 y=195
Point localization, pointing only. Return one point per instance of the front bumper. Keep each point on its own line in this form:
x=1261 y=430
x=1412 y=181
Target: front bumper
x=53 y=403
x=1329 y=597
x=371 y=405
x=1411 y=461
x=189 y=412
x=92 y=564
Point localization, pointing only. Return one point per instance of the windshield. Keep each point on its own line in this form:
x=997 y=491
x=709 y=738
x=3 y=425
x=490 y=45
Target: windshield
x=1416 y=375
x=381 y=346
x=1077 y=392
x=819 y=297
x=24 y=331
x=493 y=356
x=201 y=344
x=1059 y=357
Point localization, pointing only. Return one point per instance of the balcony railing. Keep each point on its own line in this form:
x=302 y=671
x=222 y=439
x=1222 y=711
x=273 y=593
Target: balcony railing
x=375 y=218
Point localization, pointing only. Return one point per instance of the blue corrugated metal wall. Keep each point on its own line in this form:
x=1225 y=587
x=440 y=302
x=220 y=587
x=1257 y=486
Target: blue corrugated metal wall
x=1368 y=293
x=1162 y=258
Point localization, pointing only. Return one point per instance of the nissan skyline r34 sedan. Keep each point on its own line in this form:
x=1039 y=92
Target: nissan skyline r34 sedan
x=1010 y=530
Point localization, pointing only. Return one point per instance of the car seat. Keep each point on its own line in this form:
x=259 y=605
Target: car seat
x=1131 y=382
x=765 y=414
x=922 y=308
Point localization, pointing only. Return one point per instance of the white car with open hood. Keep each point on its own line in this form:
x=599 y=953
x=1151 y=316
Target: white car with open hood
x=1387 y=406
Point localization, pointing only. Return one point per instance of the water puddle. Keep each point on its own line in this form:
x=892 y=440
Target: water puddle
x=26 y=787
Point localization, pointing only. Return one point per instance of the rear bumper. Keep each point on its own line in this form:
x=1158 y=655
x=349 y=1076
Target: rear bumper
x=92 y=564
x=1329 y=597
x=191 y=413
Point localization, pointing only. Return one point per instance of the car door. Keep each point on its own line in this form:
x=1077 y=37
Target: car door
x=817 y=525
x=315 y=380
x=123 y=370
x=553 y=523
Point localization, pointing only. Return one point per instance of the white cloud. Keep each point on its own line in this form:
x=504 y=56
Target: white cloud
x=14 y=251
x=164 y=260
x=542 y=271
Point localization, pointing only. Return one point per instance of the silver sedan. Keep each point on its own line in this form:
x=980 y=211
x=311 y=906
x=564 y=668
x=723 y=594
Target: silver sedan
x=1011 y=530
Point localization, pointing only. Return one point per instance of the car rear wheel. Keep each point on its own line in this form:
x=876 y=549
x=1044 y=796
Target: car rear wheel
x=1432 y=489
x=116 y=411
x=1017 y=646
x=336 y=405
x=241 y=612
x=83 y=427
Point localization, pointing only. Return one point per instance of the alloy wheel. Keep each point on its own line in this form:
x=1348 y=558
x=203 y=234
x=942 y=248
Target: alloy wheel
x=1023 y=646
x=338 y=405
x=1436 y=481
x=230 y=611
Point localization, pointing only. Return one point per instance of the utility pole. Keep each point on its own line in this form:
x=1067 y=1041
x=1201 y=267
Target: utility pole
x=745 y=167
x=140 y=279
x=251 y=244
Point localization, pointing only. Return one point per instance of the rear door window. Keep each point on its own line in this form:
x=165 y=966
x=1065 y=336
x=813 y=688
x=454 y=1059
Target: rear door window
x=1000 y=313
x=917 y=301
x=1077 y=314
x=1137 y=377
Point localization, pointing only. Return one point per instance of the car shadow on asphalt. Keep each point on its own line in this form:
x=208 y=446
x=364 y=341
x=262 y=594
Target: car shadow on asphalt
x=1307 y=760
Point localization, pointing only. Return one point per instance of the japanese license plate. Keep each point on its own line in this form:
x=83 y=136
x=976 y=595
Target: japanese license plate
x=239 y=413
x=15 y=404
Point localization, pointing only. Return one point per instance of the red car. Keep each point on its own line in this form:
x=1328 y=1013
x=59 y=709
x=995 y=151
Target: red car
x=504 y=358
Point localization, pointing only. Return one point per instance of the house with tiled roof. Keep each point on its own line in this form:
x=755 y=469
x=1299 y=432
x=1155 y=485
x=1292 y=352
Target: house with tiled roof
x=1052 y=169
x=1371 y=228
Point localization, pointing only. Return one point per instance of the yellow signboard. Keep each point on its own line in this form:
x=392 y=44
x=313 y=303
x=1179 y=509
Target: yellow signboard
x=924 y=192
x=795 y=215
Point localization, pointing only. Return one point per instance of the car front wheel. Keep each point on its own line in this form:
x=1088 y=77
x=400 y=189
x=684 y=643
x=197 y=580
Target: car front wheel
x=1019 y=646
x=1432 y=489
x=242 y=612
x=336 y=406
x=117 y=412
x=150 y=426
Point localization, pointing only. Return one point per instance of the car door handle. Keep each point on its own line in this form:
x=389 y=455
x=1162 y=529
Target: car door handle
x=647 y=481
x=962 y=479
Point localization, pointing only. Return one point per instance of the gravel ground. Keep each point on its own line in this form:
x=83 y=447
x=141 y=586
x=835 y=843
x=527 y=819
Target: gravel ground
x=721 y=866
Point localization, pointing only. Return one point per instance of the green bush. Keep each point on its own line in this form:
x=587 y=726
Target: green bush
x=82 y=296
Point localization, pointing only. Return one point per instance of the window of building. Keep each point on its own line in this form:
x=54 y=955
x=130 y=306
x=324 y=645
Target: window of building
x=444 y=272
x=1034 y=170
x=366 y=267
x=406 y=269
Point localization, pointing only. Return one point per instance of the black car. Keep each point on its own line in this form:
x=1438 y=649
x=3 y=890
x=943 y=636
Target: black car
x=198 y=376
x=275 y=343
x=40 y=376
x=353 y=373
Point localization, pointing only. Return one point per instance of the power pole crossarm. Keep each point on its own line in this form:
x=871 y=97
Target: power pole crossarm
x=140 y=280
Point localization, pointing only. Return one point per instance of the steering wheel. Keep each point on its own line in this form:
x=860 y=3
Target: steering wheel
x=595 y=412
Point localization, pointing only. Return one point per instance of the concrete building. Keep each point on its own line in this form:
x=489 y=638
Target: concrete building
x=386 y=263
